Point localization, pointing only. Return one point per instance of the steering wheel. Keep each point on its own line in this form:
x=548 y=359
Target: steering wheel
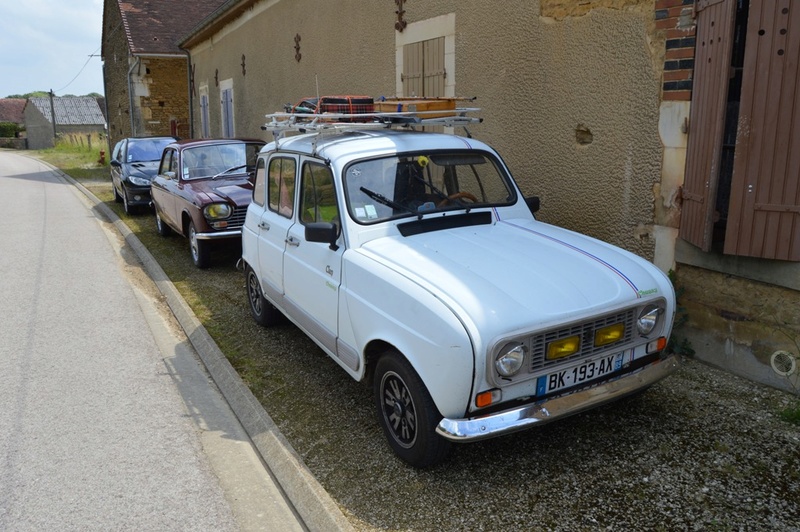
x=458 y=196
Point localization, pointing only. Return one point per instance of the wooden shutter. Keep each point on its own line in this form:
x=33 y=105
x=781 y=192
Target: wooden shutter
x=423 y=68
x=227 y=113
x=434 y=74
x=413 y=66
x=715 y=23
x=764 y=215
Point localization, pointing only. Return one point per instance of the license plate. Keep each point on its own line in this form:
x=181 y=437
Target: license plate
x=586 y=371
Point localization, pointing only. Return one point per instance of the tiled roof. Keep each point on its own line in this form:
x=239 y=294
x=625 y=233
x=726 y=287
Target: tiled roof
x=156 y=26
x=71 y=111
x=11 y=110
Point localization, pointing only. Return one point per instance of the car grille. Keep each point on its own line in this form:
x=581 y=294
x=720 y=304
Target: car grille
x=236 y=221
x=586 y=330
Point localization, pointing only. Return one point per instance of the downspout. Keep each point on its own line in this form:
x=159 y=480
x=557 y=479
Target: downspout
x=130 y=93
x=189 y=84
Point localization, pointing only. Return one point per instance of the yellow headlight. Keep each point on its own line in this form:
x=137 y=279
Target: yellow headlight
x=609 y=335
x=563 y=348
x=217 y=210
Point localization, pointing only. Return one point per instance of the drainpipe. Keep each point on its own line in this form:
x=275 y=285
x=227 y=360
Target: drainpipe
x=130 y=93
x=191 y=92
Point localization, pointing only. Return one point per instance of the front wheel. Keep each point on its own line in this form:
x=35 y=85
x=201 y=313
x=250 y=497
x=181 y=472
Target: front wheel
x=162 y=228
x=201 y=253
x=407 y=413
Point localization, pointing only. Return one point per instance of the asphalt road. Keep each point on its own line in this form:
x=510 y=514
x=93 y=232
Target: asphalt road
x=107 y=420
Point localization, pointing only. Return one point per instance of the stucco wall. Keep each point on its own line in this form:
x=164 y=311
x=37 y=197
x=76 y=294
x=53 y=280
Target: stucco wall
x=570 y=100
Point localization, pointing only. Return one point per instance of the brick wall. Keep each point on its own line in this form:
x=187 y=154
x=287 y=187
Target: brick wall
x=676 y=18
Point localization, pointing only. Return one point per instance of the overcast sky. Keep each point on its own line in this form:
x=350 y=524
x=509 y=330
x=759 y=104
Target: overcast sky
x=47 y=44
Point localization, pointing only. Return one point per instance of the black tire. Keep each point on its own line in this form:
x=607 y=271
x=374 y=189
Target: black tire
x=407 y=413
x=162 y=228
x=263 y=312
x=129 y=209
x=200 y=250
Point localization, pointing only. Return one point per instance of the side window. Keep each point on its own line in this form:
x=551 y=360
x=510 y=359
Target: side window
x=318 y=198
x=260 y=187
x=281 y=185
x=165 y=162
x=117 y=154
x=173 y=162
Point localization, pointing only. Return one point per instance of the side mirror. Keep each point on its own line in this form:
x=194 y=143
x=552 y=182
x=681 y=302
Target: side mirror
x=324 y=233
x=533 y=204
x=115 y=163
x=169 y=175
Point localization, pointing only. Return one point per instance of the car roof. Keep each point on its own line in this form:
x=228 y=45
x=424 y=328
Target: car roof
x=192 y=143
x=358 y=143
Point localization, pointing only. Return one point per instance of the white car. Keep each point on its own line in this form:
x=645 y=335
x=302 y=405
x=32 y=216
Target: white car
x=413 y=260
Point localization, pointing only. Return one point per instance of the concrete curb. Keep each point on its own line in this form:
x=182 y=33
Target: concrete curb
x=314 y=505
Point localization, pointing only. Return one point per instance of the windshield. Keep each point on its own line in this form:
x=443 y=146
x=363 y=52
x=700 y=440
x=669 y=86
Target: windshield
x=421 y=183
x=145 y=150
x=219 y=159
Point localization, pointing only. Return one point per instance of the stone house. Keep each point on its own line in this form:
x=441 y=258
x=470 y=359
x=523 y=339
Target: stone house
x=12 y=119
x=667 y=127
x=73 y=115
x=146 y=74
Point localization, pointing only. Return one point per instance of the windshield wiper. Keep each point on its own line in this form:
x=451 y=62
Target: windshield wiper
x=380 y=198
x=231 y=169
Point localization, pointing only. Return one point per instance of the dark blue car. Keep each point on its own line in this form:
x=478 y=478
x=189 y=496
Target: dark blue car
x=134 y=162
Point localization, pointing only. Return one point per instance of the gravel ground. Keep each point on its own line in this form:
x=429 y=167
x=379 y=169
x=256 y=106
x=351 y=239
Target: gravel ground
x=700 y=450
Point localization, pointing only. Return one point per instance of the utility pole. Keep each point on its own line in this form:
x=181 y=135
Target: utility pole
x=53 y=116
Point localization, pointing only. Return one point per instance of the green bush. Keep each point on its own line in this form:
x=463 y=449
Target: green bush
x=9 y=129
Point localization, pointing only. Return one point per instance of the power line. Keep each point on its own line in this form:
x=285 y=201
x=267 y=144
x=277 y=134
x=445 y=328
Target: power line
x=93 y=54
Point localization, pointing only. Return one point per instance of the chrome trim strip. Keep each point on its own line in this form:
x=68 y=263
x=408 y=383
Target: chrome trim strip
x=520 y=418
x=221 y=234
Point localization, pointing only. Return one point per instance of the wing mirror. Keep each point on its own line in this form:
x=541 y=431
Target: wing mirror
x=115 y=163
x=533 y=204
x=324 y=233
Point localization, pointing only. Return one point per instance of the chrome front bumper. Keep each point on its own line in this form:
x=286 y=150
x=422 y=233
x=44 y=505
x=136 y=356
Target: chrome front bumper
x=489 y=426
x=221 y=234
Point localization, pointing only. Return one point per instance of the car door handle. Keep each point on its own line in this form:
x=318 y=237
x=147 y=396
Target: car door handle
x=264 y=226
x=292 y=241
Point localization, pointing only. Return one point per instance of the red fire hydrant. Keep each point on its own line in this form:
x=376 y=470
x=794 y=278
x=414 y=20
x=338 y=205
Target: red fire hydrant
x=102 y=157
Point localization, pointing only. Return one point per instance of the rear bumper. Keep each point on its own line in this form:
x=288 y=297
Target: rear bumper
x=497 y=424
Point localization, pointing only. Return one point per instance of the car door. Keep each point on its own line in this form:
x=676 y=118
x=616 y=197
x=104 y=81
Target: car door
x=276 y=219
x=312 y=270
x=163 y=188
x=116 y=170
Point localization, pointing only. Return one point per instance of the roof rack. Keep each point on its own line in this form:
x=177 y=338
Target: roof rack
x=281 y=123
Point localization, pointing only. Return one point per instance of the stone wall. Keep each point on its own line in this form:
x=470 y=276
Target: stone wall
x=737 y=324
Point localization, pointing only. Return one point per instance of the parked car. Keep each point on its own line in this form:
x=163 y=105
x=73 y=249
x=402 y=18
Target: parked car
x=414 y=261
x=134 y=162
x=202 y=191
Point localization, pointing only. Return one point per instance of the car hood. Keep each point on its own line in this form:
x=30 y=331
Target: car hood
x=519 y=274
x=145 y=169
x=238 y=191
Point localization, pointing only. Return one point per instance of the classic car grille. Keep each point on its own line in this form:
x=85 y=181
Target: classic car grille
x=236 y=221
x=586 y=330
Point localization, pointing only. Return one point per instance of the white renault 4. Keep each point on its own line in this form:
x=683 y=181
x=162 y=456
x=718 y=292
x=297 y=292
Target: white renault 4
x=413 y=260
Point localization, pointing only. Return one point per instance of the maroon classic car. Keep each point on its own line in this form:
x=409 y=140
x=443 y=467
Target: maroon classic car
x=202 y=191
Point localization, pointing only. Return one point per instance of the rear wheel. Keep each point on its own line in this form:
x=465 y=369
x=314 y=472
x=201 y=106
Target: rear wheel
x=263 y=312
x=407 y=413
x=201 y=252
